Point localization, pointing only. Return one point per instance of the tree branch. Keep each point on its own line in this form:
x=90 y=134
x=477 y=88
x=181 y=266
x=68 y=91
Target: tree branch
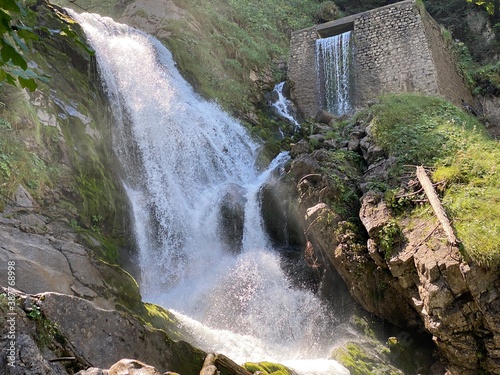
x=436 y=205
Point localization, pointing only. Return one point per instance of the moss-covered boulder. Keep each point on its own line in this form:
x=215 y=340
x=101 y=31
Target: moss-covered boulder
x=267 y=368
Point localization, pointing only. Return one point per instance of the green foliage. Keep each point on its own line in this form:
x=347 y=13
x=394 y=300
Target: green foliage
x=398 y=203
x=45 y=329
x=466 y=63
x=390 y=238
x=34 y=313
x=452 y=14
x=491 y=6
x=343 y=168
x=357 y=6
x=19 y=29
x=13 y=66
x=328 y=11
x=430 y=131
x=15 y=39
x=487 y=79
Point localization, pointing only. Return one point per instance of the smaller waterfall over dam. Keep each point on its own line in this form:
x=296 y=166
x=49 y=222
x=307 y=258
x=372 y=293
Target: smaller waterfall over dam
x=333 y=59
x=398 y=48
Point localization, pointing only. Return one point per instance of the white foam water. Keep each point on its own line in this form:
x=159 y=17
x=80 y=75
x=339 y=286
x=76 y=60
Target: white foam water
x=283 y=105
x=333 y=57
x=181 y=155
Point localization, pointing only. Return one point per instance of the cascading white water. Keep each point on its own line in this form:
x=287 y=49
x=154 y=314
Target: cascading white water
x=283 y=105
x=181 y=155
x=333 y=57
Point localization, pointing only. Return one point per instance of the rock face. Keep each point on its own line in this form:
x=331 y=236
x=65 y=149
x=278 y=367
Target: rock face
x=491 y=110
x=58 y=334
x=232 y=217
x=46 y=262
x=103 y=337
x=403 y=271
x=75 y=304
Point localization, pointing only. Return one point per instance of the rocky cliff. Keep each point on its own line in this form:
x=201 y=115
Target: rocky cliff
x=391 y=250
x=65 y=304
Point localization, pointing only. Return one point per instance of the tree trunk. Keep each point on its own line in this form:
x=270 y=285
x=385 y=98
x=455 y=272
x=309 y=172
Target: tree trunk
x=436 y=205
x=223 y=362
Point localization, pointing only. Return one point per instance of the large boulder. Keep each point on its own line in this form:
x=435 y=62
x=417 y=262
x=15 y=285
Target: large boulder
x=232 y=217
x=58 y=334
x=46 y=263
x=281 y=218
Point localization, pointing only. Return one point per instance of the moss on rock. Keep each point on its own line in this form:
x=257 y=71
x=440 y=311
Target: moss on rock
x=267 y=368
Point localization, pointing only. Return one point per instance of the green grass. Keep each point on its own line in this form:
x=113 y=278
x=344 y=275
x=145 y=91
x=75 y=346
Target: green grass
x=420 y=130
x=232 y=39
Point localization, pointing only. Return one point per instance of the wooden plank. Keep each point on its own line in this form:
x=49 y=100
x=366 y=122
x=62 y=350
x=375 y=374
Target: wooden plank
x=436 y=205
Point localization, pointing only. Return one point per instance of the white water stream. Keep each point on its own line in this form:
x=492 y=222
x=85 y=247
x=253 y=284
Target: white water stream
x=181 y=155
x=283 y=105
x=333 y=57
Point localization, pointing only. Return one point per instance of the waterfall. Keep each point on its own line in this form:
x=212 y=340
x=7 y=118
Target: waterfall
x=183 y=159
x=283 y=105
x=333 y=58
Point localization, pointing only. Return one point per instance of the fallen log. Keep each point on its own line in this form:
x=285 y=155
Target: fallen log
x=436 y=205
x=209 y=365
x=231 y=367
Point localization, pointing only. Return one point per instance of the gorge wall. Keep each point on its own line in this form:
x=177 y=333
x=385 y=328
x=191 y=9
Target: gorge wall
x=397 y=48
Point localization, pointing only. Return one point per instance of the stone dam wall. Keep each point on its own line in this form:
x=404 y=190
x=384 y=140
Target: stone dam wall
x=397 y=48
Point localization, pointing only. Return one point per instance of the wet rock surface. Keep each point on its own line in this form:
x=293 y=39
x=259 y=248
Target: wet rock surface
x=422 y=284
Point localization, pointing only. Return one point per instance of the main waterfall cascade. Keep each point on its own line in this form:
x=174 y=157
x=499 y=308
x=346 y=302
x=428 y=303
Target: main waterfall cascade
x=181 y=157
x=333 y=59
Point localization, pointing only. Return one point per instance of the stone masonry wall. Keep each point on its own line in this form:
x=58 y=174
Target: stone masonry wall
x=302 y=65
x=397 y=48
x=451 y=84
x=392 y=54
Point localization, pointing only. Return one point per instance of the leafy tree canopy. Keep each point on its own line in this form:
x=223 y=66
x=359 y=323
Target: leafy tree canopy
x=14 y=36
x=492 y=6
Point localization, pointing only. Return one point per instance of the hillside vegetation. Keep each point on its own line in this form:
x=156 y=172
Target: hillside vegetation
x=420 y=130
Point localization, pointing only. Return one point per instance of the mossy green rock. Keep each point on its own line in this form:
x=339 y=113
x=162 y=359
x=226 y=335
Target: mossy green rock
x=267 y=368
x=359 y=362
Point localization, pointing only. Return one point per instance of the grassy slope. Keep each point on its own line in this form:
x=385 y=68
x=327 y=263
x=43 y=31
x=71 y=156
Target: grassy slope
x=428 y=131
